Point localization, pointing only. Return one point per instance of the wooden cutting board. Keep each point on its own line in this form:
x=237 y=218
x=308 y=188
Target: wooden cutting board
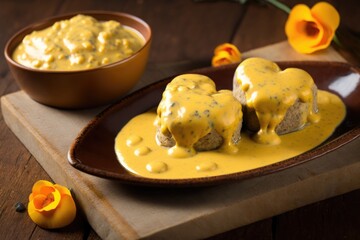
x=117 y=211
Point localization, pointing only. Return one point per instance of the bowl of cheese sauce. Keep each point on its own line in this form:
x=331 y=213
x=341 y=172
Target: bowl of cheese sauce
x=80 y=60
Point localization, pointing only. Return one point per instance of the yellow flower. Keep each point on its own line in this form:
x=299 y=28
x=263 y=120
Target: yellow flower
x=309 y=30
x=225 y=53
x=51 y=205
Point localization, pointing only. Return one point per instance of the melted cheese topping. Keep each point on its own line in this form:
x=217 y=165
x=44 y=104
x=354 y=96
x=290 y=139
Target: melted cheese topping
x=81 y=42
x=157 y=164
x=191 y=107
x=270 y=92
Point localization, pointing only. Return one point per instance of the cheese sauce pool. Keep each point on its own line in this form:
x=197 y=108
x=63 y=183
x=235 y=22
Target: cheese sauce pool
x=78 y=43
x=138 y=152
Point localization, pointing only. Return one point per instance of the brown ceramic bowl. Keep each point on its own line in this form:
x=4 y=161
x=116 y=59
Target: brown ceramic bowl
x=81 y=88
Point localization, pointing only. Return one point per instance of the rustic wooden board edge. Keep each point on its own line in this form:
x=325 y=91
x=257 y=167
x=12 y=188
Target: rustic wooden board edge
x=285 y=53
x=344 y=178
x=63 y=173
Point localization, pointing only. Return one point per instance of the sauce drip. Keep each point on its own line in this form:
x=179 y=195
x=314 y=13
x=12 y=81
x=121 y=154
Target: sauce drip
x=191 y=107
x=270 y=92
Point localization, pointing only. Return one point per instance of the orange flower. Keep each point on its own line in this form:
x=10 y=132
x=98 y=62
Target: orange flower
x=51 y=205
x=225 y=53
x=309 y=30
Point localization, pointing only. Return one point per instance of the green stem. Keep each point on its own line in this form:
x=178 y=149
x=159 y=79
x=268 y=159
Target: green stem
x=337 y=41
x=279 y=5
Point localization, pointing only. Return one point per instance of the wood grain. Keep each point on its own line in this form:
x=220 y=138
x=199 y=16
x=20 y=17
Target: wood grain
x=241 y=24
x=117 y=212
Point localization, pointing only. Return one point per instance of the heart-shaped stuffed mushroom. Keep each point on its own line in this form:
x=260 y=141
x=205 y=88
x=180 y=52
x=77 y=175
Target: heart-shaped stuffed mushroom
x=193 y=115
x=275 y=101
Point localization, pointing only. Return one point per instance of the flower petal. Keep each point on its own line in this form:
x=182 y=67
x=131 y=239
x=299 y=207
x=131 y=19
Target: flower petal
x=52 y=201
x=36 y=189
x=302 y=29
x=36 y=216
x=225 y=53
x=326 y=14
x=309 y=30
x=221 y=58
x=51 y=205
x=63 y=190
x=228 y=47
x=39 y=201
x=65 y=213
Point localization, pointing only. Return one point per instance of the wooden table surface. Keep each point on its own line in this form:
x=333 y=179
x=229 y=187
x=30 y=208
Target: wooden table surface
x=185 y=33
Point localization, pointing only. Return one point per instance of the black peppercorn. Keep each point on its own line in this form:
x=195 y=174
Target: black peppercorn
x=20 y=207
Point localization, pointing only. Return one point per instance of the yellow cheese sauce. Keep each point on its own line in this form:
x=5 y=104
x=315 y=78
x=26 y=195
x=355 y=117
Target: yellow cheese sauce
x=78 y=43
x=191 y=108
x=270 y=92
x=138 y=152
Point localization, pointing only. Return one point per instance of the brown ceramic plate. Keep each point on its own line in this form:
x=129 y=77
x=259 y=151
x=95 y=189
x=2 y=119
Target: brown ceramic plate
x=93 y=150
